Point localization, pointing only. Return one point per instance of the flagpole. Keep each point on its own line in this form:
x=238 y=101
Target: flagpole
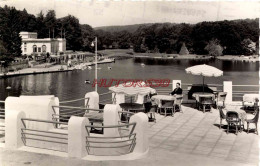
x=96 y=62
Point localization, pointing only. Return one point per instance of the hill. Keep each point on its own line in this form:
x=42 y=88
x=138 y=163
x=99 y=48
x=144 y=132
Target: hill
x=128 y=28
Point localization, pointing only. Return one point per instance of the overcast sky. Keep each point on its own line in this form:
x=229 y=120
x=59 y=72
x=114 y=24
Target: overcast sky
x=105 y=13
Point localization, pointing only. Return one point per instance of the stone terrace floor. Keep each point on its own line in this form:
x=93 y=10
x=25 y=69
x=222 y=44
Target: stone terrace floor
x=190 y=138
x=196 y=133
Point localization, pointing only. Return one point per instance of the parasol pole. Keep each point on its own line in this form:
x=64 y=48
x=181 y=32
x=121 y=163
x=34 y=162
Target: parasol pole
x=203 y=84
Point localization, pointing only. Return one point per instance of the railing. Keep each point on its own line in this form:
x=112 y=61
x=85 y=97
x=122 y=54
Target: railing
x=127 y=141
x=42 y=135
x=238 y=94
x=71 y=101
x=106 y=98
x=67 y=111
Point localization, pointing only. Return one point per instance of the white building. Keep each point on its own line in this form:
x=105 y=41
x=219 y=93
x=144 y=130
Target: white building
x=32 y=45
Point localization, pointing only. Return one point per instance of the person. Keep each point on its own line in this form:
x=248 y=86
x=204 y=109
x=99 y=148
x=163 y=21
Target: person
x=177 y=90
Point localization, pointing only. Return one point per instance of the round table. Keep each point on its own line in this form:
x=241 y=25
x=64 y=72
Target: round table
x=241 y=113
x=132 y=107
x=158 y=98
x=197 y=95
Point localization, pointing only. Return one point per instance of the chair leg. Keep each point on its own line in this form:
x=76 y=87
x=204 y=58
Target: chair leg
x=220 y=123
x=180 y=108
x=172 y=111
x=204 y=108
x=236 y=129
x=228 y=128
x=256 y=128
x=247 y=127
x=240 y=125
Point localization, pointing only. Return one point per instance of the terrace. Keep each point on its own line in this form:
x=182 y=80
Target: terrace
x=188 y=138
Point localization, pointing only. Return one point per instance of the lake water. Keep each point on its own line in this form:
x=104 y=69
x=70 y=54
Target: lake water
x=70 y=85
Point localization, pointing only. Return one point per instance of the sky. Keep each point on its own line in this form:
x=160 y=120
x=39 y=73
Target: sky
x=106 y=13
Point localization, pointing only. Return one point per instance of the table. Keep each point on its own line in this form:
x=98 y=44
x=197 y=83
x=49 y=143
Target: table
x=197 y=95
x=158 y=98
x=132 y=106
x=250 y=100
x=241 y=113
x=94 y=117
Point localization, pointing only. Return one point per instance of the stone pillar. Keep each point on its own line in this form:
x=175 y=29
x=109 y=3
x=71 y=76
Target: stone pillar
x=174 y=83
x=120 y=98
x=141 y=130
x=93 y=100
x=111 y=117
x=33 y=107
x=77 y=136
x=13 y=126
x=227 y=87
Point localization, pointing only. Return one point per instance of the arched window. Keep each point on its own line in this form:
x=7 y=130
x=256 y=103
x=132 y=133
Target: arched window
x=43 y=48
x=34 y=48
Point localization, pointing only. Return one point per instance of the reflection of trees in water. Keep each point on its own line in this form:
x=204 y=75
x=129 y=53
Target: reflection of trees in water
x=220 y=64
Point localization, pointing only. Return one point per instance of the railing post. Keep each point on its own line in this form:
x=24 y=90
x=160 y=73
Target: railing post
x=33 y=107
x=174 y=83
x=119 y=98
x=13 y=129
x=93 y=100
x=227 y=87
x=77 y=136
x=111 y=117
x=141 y=129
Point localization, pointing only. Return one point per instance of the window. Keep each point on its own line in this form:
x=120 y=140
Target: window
x=44 y=48
x=25 y=44
x=39 y=49
x=25 y=49
x=34 y=48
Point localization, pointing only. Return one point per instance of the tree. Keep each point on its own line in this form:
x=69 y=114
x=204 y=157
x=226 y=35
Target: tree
x=9 y=31
x=87 y=34
x=248 y=47
x=184 y=50
x=50 y=22
x=214 y=48
x=72 y=32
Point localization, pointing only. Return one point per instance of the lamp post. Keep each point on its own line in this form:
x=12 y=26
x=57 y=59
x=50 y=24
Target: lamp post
x=94 y=43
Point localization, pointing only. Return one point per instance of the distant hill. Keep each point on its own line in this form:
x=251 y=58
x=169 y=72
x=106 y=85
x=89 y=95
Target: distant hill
x=129 y=28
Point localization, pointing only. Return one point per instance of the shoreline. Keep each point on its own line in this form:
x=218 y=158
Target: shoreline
x=51 y=69
x=128 y=53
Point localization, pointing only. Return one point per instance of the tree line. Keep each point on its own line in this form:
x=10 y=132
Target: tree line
x=237 y=37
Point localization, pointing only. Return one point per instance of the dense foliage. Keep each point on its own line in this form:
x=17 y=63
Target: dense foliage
x=238 y=37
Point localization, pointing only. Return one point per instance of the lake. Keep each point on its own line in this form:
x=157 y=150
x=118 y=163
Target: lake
x=71 y=85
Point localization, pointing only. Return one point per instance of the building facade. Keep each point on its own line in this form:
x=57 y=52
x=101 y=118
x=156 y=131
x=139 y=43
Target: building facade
x=31 y=45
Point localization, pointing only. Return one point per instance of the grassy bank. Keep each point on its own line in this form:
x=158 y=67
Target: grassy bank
x=128 y=53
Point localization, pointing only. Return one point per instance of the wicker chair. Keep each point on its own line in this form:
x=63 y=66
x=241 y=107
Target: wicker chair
x=167 y=105
x=177 y=102
x=206 y=101
x=232 y=119
x=220 y=100
x=254 y=120
x=221 y=116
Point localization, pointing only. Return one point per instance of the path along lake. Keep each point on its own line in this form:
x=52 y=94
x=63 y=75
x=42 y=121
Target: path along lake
x=71 y=85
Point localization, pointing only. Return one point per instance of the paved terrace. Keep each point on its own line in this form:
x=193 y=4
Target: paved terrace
x=189 y=138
